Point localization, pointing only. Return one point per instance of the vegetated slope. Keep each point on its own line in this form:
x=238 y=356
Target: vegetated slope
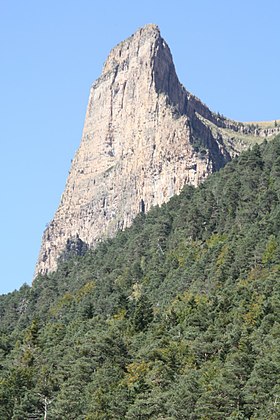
x=175 y=318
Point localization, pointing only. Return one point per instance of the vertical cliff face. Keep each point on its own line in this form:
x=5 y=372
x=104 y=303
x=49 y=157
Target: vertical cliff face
x=144 y=138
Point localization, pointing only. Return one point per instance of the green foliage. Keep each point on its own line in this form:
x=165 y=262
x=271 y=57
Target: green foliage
x=175 y=318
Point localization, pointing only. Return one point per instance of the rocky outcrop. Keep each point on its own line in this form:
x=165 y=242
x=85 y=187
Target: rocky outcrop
x=144 y=138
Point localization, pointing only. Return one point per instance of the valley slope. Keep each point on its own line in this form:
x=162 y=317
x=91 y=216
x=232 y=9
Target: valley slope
x=177 y=317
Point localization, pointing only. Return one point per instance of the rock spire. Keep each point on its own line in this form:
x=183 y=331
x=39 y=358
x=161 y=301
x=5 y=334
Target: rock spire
x=144 y=138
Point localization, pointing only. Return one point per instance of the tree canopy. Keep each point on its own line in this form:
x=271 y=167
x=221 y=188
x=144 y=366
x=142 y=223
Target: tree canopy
x=177 y=317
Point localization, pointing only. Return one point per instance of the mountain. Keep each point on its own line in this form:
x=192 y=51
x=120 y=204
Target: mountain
x=177 y=317
x=145 y=137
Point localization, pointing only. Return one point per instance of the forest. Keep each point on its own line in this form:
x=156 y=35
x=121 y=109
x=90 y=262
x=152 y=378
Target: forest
x=177 y=317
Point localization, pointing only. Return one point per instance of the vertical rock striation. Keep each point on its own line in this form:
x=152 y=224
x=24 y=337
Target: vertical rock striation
x=144 y=138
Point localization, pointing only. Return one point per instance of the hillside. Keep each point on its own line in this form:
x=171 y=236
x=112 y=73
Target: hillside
x=177 y=317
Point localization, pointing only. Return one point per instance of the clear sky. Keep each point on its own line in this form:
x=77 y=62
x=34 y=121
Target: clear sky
x=225 y=52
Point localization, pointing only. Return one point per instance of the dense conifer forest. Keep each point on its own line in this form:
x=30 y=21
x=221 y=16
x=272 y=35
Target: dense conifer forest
x=178 y=317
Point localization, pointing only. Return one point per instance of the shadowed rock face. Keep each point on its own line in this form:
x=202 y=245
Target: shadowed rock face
x=144 y=138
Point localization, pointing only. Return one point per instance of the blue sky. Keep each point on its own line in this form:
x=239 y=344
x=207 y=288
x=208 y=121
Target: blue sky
x=226 y=53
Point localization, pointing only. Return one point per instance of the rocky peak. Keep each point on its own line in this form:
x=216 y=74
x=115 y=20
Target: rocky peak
x=142 y=44
x=144 y=138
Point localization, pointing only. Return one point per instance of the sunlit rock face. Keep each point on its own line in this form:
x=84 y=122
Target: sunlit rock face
x=144 y=138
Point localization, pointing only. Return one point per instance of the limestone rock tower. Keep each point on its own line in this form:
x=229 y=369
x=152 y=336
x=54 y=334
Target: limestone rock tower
x=138 y=147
